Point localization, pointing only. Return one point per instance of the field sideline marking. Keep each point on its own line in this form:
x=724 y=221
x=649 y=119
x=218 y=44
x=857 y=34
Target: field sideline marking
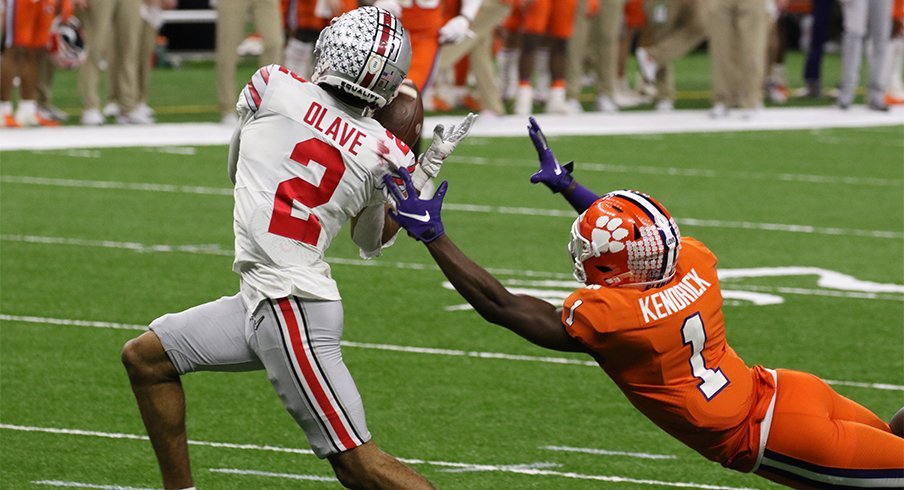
x=473 y=208
x=685 y=172
x=520 y=469
x=403 y=348
x=75 y=484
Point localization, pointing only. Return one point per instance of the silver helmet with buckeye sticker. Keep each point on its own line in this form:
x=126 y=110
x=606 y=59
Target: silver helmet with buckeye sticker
x=365 y=53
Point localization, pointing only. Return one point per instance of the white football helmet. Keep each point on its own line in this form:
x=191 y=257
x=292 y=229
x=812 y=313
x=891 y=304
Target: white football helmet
x=67 y=46
x=365 y=53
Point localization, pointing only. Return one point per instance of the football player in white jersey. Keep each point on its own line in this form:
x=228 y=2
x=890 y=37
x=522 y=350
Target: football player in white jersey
x=306 y=158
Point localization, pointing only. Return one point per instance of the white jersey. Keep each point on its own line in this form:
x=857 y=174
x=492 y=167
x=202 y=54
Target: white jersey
x=306 y=164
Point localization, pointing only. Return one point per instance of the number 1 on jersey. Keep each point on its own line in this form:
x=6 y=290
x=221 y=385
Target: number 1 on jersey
x=711 y=380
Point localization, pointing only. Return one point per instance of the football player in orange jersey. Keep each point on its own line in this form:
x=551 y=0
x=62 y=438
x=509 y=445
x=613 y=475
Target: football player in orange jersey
x=26 y=31
x=304 y=19
x=423 y=19
x=550 y=22
x=651 y=316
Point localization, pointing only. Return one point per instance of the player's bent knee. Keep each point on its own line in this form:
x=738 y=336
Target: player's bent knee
x=145 y=359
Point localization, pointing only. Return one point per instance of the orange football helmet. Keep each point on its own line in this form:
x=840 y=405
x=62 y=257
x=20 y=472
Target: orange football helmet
x=625 y=238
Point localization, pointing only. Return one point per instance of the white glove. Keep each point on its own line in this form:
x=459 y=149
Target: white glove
x=455 y=31
x=391 y=5
x=444 y=142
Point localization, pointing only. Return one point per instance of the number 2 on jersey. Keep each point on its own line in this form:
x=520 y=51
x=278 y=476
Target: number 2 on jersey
x=306 y=230
x=711 y=380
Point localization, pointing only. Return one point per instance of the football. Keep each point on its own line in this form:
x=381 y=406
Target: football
x=404 y=116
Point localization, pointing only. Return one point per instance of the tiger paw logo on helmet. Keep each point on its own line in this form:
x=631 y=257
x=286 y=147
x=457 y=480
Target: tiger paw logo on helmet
x=625 y=238
x=607 y=236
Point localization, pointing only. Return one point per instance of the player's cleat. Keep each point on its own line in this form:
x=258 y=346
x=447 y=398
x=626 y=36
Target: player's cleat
x=92 y=117
x=665 y=105
x=777 y=92
x=524 y=100
x=890 y=99
x=574 y=105
x=9 y=121
x=606 y=105
x=135 y=116
x=53 y=113
x=718 y=111
x=556 y=104
x=111 y=110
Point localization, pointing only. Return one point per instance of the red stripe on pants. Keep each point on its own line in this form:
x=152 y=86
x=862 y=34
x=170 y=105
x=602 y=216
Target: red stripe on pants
x=310 y=378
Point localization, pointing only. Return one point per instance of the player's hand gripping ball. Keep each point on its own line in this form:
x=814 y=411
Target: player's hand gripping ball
x=404 y=116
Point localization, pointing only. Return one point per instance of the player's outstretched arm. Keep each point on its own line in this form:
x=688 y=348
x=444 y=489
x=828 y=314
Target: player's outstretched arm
x=558 y=178
x=529 y=317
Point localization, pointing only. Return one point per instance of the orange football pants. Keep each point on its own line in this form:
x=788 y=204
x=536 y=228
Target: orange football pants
x=31 y=22
x=820 y=439
x=553 y=18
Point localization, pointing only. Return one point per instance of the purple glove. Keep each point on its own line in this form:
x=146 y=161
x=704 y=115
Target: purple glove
x=420 y=217
x=553 y=175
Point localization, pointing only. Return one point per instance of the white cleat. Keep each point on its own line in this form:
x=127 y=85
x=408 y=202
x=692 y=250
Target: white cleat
x=718 y=111
x=524 y=100
x=92 y=117
x=665 y=105
x=606 y=105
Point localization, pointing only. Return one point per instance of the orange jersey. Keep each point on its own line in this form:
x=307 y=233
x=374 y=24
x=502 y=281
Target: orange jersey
x=635 y=17
x=665 y=348
x=553 y=18
x=422 y=15
x=28 y=22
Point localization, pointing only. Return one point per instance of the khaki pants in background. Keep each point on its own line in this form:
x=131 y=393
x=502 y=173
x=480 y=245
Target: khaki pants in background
x=146 y=46
x=110 y=23
x=597 y=38
x=480 y=48
x=674 y=28
x=737 y=32
x=231 y=16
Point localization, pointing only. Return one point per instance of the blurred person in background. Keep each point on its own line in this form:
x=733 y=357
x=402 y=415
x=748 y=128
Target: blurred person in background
x=478 y=48
x=151 y=21
x=26 y=35
x=635 y=20
x=423 y=19
x=549 y=22
x=108 y=24
x=894 y=62
x=304 y=19
x=231 y=17
x=508 y=54
x=738 y=31
x=674 y=29
x=864 y=19
x=596 y=36
x=819 y=32
x=48 y=67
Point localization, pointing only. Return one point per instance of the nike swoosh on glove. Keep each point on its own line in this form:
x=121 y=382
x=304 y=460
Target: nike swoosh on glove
x=556 y=177
x=420 y=217
x=455 y=30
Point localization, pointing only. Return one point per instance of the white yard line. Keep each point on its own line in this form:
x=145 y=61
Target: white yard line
x=606 y=452
x=75 y=484
x=290 y=476
x=472 y=208
x=400 y=348
x=519 y=469
x=625 y=123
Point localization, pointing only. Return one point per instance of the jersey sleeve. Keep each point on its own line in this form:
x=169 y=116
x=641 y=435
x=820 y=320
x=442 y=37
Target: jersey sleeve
x=253 y=93
x=584 y=316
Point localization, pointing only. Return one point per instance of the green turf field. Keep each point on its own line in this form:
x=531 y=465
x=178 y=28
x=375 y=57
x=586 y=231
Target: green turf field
x=124 y=235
